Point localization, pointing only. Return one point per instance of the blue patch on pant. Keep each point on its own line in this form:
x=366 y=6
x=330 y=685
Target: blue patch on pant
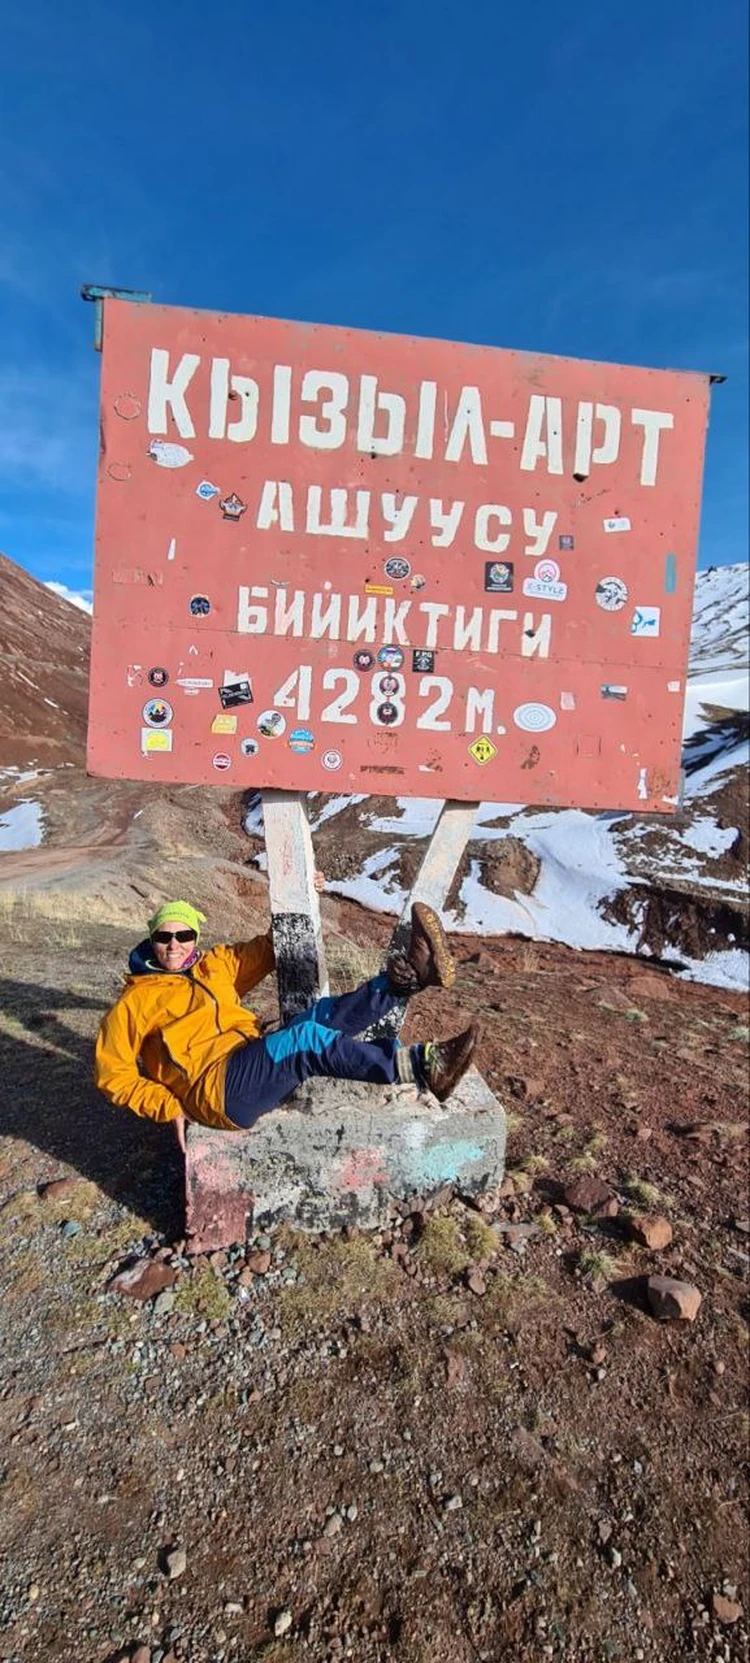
x=303 y=1036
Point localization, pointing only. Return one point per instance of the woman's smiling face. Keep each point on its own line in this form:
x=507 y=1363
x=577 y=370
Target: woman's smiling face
x=171 y=954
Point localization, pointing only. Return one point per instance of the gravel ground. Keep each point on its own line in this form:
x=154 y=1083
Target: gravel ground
x=463 y=1438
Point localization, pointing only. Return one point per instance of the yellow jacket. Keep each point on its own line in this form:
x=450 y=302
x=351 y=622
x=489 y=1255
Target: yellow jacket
x=162 y=1048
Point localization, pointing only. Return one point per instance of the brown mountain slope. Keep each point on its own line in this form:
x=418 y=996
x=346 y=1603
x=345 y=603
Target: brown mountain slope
x=44 y=654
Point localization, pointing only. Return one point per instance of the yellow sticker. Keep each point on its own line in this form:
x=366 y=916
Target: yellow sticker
x=155 y=739
x=482 y=750
x=224 y=724
x=378 y=589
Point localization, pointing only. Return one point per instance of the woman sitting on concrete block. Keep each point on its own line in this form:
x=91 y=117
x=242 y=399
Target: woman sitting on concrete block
x=179 y=1042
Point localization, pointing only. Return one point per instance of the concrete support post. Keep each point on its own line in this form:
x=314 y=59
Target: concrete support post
x=295 y=910
x=441 y=861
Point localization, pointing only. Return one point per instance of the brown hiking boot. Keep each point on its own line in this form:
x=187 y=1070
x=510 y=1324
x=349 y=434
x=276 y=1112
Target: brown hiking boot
x=446 y=1060
x=427 y=960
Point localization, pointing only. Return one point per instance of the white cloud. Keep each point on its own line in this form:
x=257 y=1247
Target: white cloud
x=82 y=598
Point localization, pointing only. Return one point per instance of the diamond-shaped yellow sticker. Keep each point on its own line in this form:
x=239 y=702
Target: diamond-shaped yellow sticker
x=482 y=750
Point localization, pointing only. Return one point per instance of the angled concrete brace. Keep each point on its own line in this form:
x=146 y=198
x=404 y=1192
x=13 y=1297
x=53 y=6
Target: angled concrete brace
x=441 y=861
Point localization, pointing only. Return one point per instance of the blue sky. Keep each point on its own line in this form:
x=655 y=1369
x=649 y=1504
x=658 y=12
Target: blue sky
x=569 y=180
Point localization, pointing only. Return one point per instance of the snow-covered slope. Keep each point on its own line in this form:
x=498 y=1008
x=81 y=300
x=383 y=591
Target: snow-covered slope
x=675 y=890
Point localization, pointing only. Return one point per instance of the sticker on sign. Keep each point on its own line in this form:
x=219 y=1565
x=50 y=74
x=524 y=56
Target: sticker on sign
x=323 y=509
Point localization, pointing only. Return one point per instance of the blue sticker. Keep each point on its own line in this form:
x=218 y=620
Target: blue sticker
x=302 y=741
x=206 y=490
x=670 y=573
x=391 y=658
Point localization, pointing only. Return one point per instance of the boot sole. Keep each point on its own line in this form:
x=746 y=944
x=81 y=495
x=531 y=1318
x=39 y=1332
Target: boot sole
x=433 y=929
x=465 y=1063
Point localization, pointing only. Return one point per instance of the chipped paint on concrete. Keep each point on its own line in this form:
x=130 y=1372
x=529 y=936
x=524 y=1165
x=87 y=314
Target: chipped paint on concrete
x=340 y=1152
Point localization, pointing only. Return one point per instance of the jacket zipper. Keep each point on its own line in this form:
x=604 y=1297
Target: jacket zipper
x=219 y=1029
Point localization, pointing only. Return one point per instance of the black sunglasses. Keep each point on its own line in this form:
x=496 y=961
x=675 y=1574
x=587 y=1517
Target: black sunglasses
x=165 y=936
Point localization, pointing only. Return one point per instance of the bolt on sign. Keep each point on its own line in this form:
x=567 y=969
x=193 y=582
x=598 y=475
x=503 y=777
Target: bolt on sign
x=327 y=558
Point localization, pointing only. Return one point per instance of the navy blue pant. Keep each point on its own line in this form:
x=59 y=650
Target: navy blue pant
x=263 y=1072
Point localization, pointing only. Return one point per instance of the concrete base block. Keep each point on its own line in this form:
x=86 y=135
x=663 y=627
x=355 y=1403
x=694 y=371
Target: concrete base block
x=340 y=1153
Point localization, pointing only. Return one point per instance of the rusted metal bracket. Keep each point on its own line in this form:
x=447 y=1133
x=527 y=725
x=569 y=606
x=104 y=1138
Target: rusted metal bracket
x=97 y=292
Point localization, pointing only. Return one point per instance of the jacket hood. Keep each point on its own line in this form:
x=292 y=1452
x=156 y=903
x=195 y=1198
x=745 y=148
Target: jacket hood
x=141 y=962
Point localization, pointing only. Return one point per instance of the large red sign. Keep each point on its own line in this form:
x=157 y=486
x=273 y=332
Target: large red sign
x=329 y=559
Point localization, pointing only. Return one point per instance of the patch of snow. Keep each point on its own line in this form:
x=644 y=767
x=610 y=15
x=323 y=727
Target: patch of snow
x=335 y=805
x=52 y=703
x=728 y=968
x=416 y=817
x=370 y=890
x=726 y=693
x=708 y=838
x=21 y=827
x=704 y=780
x=719 y=638
x=580 y=868
x=253 y=820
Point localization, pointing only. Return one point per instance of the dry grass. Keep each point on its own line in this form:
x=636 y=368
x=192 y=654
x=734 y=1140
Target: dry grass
x=480 y=1237
x=535 y=1164
x=349 y=964
x=203 y=1294
x=20 y=908
x=595 y=1265
x=334 y=1282
x=442 y=1249
x=642 y=1193
x=583 y=1164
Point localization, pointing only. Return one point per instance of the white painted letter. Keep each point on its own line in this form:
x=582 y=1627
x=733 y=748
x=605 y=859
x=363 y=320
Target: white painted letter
x=332 y=410
x=487 y=512
x=543 y=412
x=435 y=610
x=480 y=704
x=536 y=640
x=394 y=408
x=326 y=616
x=467 y=422
x=282 y=392
x=446 y=525
x=251 y=620
x=337 y=526
x=497 y=617
x=362 y=625
x=276 y=506
x=426 y=419
x=393 y=622
x=289 y=615
x=246 y=424
x=653 y=423
x=539 y=531
x=399 y=519
x=217 y=419
x=244 y=428
x=608 y=450
x=163 y=393
x=468 y=633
